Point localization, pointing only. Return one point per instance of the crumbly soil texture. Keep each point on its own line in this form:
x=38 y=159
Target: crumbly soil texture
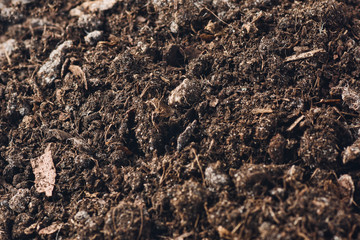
x=186 y=119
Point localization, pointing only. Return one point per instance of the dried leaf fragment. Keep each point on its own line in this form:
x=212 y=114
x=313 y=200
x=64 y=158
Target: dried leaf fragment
x=44 y=171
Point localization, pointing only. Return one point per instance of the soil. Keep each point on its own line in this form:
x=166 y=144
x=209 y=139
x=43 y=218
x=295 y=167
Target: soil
x=202 y=119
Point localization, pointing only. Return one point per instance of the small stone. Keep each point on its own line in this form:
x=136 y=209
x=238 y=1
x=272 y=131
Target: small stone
x=186 y=93
x=93 y=6
x=93 y=37
x=347 y=187
x=215 y=178
x=185 y=136
x=174 y=27
x=20 y=200
x=351 y=153
x=351 y=97
x=51 y=68
x=10 y=14
x=89 y=22
x=81 y=216
x=6 y=48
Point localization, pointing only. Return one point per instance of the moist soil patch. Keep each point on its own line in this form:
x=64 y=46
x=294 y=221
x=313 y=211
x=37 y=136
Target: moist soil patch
x=206 y=119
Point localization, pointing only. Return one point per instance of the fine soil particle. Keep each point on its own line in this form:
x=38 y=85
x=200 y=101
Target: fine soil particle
x=180 y=119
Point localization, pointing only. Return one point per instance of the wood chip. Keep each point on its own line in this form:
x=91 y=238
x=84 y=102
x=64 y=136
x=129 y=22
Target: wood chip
x=300 y=49
x=44 y=171
x=50 y=229
x=262 y=110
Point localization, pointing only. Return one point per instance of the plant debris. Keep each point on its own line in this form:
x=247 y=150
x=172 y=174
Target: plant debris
x=179 y=119
x=44 y=171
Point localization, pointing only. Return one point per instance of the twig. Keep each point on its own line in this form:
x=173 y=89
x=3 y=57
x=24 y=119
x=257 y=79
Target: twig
x=304 y=55
x=220 y=18
x=295 y=123
x=7 y=57
x=216 y=16
x=34 y=85
x=198 y=163
x=142 y=221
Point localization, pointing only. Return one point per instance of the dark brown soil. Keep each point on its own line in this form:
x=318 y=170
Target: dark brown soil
x=204 y=119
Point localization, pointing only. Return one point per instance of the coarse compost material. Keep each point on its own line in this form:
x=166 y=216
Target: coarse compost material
x=203 y=119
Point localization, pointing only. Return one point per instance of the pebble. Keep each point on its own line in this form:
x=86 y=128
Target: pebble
x=93 y=37
x=10 y=14
x=352 y=152
x=186 y=93
x=20 y=200
x=81 y=216
x=174 y=27
x=51 y=68
x=215 y=178
x=7 y=47
x=93 y=6
x=89 y=22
